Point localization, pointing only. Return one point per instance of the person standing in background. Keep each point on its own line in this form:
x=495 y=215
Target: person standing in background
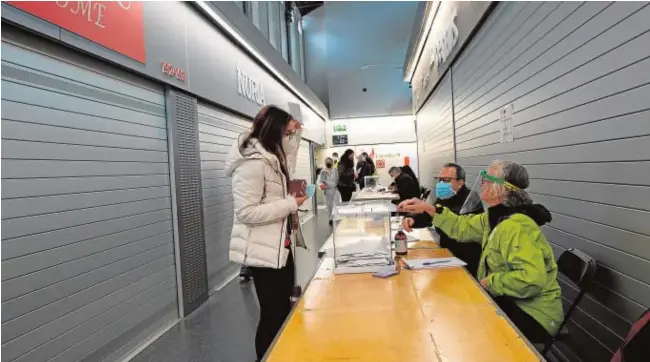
x=328 y=182
x=346 y=176
x=335 y=157
x=260 y=163
x=365 y=167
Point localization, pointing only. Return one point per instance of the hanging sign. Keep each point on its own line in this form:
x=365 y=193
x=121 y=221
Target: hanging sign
x=116 y=25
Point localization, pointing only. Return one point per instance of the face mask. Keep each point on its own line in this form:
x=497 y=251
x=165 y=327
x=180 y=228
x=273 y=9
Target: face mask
x=444 y=190
x=288 y=144
x=328 y=165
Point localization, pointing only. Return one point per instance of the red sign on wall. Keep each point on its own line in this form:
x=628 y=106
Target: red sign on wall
x=117 y=25
x=381 y=164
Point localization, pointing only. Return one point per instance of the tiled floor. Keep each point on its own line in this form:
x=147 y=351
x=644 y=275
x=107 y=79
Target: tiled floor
x=223 y=329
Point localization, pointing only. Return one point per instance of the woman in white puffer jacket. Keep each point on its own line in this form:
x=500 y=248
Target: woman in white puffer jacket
x=260 y=163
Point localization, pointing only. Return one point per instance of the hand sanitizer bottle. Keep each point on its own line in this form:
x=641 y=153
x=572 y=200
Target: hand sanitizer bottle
x=401 y=247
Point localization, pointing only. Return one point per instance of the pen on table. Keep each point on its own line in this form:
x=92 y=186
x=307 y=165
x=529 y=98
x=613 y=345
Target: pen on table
x=405 y=264
x=436 y=262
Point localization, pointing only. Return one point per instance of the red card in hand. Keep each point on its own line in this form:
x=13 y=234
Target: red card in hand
x=298 y=188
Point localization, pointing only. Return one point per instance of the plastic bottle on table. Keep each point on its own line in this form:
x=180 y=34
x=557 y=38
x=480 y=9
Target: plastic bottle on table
x=401 y=247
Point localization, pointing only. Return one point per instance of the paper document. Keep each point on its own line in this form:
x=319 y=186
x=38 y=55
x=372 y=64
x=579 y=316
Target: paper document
x=434 y=263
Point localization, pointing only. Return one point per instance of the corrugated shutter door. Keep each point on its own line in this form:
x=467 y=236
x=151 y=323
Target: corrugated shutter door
x=578 y=75
x=304 y=171
x=435 y=133
x=87 y=241
x=218 y=130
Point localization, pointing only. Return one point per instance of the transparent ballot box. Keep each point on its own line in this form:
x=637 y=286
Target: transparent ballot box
x=371 y=182
x=362 y=236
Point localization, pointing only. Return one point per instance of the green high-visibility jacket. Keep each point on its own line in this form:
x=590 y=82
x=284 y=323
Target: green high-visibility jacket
x=516 y=259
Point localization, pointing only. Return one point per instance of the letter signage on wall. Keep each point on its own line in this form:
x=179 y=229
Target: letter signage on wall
x=172 y=71
x=116 y=25
x=445 y=42
x=249 y=88
x=452 y=26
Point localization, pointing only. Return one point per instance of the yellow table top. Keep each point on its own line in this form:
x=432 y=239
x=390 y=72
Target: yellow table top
x=432 y=315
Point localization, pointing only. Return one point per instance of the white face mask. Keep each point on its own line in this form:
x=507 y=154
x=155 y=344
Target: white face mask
x=288 y=143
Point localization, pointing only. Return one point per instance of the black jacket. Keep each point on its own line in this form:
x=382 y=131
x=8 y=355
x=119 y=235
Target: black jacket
x=364 y=168
x=407 y=188
x=346 y=175
x=467 y=252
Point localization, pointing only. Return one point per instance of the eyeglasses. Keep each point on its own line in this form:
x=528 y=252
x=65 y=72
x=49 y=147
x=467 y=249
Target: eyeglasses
x=485 y=177
x=445 y=179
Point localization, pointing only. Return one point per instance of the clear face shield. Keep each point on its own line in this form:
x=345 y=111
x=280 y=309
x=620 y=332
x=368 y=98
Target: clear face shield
x=473 y=200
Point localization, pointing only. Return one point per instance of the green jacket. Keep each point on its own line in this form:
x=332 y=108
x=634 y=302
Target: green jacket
x=517 y=260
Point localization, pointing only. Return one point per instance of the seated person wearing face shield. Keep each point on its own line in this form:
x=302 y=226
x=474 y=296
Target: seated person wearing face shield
x=517 y=266
x=405 y=186
x=452 y=193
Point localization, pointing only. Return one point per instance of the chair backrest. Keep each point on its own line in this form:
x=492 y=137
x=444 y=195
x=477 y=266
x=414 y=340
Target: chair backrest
x=577 y=266
x=634 y=347
x=580 y=268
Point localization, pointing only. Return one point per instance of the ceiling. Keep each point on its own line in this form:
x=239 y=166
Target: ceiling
x=364 y=43
x=306 y=7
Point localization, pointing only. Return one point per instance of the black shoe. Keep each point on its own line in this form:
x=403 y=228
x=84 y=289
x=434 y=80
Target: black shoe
x=244 y=274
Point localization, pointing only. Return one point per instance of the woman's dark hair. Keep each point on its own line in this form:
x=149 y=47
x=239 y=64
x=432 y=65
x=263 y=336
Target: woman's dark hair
x=345 y=159
x=268 y=128
x=409 y=171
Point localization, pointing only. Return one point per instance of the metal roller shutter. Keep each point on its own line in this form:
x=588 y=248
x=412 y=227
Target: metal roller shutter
x=578 y=75
x=87 y=242
x=435 y=133
x=218 y=130
x=304 y=171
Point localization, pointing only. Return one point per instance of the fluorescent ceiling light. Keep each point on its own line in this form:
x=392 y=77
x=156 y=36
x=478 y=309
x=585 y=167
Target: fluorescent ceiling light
x=223 y=23
x=428 y=22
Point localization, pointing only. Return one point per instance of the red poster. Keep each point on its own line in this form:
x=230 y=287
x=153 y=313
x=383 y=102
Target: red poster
x=117 y=25
x=381 y=164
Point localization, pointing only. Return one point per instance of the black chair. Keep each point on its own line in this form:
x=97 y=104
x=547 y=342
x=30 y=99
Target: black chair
x=635 y=345
x=580 y=268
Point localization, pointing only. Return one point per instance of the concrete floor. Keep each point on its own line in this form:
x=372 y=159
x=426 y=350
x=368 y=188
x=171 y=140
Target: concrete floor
x=223 y=329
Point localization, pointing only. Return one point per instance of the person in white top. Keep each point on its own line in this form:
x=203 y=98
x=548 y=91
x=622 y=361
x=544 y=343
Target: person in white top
x=327 y=180
x=261 y=162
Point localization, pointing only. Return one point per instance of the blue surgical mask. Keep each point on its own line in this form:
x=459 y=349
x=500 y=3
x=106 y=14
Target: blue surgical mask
x=444 y=190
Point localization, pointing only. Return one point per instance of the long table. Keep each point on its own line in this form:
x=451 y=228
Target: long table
x=432 y=315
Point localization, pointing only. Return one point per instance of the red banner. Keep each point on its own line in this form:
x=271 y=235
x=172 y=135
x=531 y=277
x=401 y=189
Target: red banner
x=117 y=25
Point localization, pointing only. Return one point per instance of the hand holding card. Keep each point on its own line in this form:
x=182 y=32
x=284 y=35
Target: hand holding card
x=310 y=190
x=298 y=188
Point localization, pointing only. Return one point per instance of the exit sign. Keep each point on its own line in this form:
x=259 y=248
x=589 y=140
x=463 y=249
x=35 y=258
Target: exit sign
x=340 y=128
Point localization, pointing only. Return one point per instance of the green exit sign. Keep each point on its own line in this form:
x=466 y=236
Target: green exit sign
x=340 y=128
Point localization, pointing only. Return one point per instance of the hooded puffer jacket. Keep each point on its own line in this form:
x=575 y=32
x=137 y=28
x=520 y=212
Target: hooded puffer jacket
x=261 y=203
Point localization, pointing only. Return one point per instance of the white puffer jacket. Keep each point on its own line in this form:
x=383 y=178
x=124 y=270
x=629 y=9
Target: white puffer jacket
x=261 y=203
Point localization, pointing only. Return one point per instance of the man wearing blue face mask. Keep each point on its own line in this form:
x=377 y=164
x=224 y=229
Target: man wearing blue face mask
x=451 y=192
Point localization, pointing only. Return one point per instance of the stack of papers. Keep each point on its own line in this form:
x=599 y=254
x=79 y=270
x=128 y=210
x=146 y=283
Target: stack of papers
x=434 y=263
